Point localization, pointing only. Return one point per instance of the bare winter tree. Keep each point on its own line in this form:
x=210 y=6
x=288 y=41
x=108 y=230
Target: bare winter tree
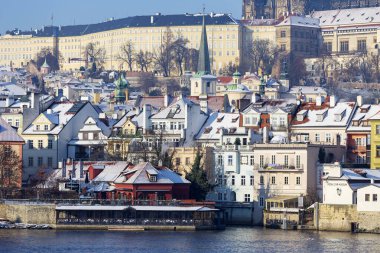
x=375 y=61
x=95 y=54
x=262 y=53
x=228 y=70
x=164 y=55
x=147 y=81
x=191 y=61
x=51 y=59
x=144 y=60
x=325 y=64
x=127 y=54
x=180 y=52
x=10 y=170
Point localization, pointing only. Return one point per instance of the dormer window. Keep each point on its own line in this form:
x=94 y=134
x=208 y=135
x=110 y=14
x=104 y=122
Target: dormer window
x=96 y=136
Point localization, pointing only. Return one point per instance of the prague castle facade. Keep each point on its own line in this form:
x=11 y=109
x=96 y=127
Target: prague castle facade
x=146 y=33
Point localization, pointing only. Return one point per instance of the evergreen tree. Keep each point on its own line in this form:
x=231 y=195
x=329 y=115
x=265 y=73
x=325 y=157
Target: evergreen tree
x=321 y=155
x=199 y=184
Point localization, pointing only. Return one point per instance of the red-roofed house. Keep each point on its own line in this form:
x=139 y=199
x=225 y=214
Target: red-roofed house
x=145 y=182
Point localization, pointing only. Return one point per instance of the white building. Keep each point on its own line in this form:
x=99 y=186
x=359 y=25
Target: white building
x=257 y=172
x=47 y=137
x=223 y=129
x=368 y=198
x=178 y=123
x=341 y=186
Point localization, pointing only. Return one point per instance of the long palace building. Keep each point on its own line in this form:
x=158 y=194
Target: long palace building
x=146 y=33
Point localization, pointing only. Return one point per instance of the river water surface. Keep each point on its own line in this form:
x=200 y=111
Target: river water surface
x=233 y=239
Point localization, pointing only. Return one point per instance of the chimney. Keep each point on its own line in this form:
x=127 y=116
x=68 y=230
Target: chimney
x=332 y=101
x=255 y=98
x=318 y=101
x=372 y=181
x=265 y=135
x=64 y=168
x=203 y=103
x=147 y=111
x=102 y=115
x=34 y=100
x=81 y=169
x=152 y=19
x=166 y=100
x=359 y=100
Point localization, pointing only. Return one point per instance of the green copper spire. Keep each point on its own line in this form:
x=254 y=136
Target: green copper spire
x=121 y=85
x=204 y=56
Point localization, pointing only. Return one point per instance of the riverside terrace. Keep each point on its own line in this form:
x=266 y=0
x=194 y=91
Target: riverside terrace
x=120 y=215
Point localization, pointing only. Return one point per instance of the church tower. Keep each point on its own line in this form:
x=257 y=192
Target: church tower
x=203 y=82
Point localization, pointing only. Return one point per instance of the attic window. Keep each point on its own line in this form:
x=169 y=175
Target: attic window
x=152 y=178
x=208 y=130
x=220 y=119
x=232 y=130
x=235 y=119
x=355 y=122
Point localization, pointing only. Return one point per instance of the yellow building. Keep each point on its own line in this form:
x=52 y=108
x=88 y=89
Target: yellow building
x=145 y=32
x=375 y=141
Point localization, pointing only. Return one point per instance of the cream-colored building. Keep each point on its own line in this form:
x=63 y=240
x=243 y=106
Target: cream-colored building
x=146 y=33
x=346 y=32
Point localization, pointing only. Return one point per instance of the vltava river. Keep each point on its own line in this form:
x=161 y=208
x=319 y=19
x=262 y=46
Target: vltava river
x=234 y=239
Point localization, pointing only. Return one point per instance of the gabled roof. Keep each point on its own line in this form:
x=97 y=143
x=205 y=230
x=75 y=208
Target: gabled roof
x=311 y=120
x=214 y=103
x=175 y=110
x=59 y=114
x=7 y=133
x=111 y=172
x=141 y=171
x=217 y=123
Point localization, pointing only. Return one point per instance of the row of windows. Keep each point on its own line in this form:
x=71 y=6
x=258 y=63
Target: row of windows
x=242 y=180
x=344 y=46
x=251 y=160
x=40 y=161
x=368 y=197
x=40 y=144
x=272 y=180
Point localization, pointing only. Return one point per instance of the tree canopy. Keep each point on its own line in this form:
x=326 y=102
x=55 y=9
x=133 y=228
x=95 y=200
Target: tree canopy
x=197 y=176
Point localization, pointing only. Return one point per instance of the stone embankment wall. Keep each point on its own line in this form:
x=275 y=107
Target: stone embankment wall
x=342 y=218
x=337 y=217
x=29 y=213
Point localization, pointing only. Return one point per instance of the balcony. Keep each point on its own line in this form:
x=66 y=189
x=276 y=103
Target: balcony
x=280 y=128
x=278 y=168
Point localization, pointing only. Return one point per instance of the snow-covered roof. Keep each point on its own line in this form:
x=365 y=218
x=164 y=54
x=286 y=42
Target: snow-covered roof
x=219 y=122
x=272 y=105
x=111 y=172
x=58 y=116
x=7 y=133
x=300 y=21
x=362 y=114
x=11 y=89
x=324 y=116
x=347 y=17
x=141 y=171
x=176 y=110
x=308 y=90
